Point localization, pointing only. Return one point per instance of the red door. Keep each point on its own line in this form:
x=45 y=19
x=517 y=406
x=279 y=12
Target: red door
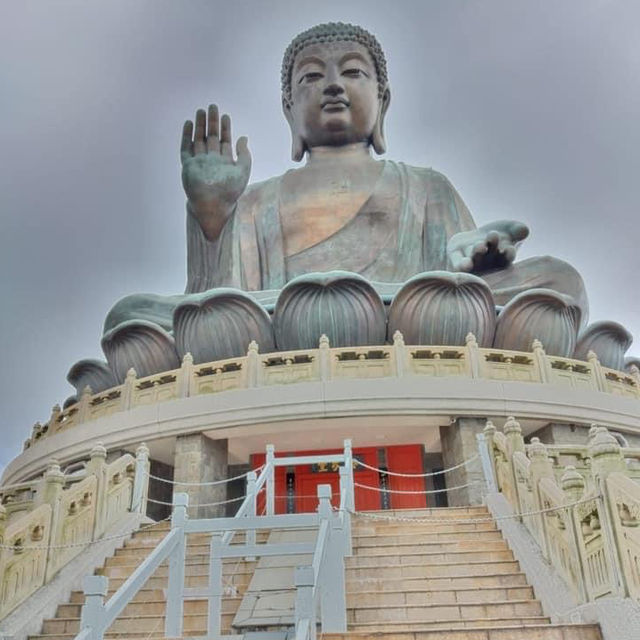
x=406 y=459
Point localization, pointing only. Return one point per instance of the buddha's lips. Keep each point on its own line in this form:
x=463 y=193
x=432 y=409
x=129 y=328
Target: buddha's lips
x=334 y=103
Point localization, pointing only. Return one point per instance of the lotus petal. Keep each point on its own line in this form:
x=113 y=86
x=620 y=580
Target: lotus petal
x=143 y=346
x=93 y=373
x=220 y=324
x=344 y=306
x=442 y=308
x=541 y=314
x=608 y=340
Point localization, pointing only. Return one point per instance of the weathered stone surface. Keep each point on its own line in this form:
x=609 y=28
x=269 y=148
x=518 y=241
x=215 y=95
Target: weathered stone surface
x=220 y=324
x=93 y=373
x=199 y=459
x=631 y=362
x=440 y=307
x=608 y=340
x=143 y=346
x=540 y=314
x=341 y=305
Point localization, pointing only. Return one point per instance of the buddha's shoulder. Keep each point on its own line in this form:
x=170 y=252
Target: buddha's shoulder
x=424 y=174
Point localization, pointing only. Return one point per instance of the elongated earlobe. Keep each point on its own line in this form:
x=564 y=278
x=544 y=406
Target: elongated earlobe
x=297 y=143
x=377 y=138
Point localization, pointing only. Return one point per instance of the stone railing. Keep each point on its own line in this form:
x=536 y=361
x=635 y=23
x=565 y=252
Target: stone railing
x=325 y=363
x=61 y=516
x=582 y=506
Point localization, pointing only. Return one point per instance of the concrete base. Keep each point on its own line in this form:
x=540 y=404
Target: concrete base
x=200 y=459
x=459 y=444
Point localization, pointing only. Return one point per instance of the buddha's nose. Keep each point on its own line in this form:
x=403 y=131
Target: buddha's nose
x=334 y=86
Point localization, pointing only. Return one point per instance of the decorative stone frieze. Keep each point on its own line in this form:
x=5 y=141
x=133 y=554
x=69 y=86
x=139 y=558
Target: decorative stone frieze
x=341 y=305
x=143 y=346
x=541 y=314
x=608 y=340
x=220 y=324
x=440 y=307
x=92 y=373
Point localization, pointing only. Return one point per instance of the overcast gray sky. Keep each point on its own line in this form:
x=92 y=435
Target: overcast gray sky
x=530 y=108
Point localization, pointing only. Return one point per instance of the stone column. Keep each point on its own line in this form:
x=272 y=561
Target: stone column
x=459 y=444
x=200 y=459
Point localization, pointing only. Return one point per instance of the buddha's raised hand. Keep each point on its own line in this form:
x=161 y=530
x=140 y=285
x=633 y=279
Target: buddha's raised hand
x=212 y=179
x=492 y=246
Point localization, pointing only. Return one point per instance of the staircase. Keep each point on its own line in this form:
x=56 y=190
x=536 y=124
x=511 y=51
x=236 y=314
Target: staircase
x=407 y=580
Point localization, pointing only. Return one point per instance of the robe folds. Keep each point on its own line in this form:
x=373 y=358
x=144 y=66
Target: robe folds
x=401 y=230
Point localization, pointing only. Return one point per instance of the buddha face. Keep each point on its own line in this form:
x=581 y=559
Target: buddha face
x=334 y=95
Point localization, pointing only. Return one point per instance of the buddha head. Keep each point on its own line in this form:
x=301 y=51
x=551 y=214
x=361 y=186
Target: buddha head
x=334 y=88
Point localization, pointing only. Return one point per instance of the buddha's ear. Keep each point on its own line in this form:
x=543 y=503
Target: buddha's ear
x=377 y=139
x=297 y=143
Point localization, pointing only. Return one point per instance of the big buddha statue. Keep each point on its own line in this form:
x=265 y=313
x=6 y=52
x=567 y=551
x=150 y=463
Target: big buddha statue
x=378 y=222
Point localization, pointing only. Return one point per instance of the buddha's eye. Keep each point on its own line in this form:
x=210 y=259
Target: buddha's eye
x=354 y=72
x=312 y=76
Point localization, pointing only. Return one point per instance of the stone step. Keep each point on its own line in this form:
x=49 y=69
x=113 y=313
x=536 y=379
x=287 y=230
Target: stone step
x=239 y=580
x=191 y=569
x=444 y=546
x=428 y=558
x=530 y=632
x=430 y=613
x=433 y=570
x=409 y=537
x=152 y=608
x=194 y=624
x=384 y=583
x=378 y=626
x=406 y=595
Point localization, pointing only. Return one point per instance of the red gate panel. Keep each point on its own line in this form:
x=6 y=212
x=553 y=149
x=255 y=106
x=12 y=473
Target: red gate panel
x=406 y=459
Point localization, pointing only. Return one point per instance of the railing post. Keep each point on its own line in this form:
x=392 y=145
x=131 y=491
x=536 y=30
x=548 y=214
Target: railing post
x=126 y=394
x=51 y=488
x=599 y=379
x=253 y=505
x=84 y=404
x=271 y=488
x=346 y=514
x=97 y=466
x=473 y=355
x=541 y=360
x=214 y=623
x=399 y=354
x=175 y=586
x=304 y=579
x=324 y=356
x=186 y=373
x=141 y=481
x=485 y=460
x=253 y=365
x=333 y=600
x=348 y=463
x=92 y=613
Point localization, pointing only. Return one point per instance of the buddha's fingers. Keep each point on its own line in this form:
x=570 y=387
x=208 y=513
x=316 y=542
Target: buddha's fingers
x=201 y=131
x=213 y=141
x=225 y=136
x=186 y=145
x=243 y=153
x=460 y=262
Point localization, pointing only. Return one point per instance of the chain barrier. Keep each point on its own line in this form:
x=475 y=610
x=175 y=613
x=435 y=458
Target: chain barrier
x=72 y=545
x=413 y=493
x=525 y=514
x=416 y=475
x=204 y=484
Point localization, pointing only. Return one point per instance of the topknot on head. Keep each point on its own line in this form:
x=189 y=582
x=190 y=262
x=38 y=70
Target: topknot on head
x=333 y=32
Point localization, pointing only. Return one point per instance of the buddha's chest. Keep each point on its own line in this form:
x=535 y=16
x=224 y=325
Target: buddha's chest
x=314 y=205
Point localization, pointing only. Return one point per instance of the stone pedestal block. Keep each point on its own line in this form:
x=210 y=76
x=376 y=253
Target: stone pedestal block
x=200 y=459
x=459 y=444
